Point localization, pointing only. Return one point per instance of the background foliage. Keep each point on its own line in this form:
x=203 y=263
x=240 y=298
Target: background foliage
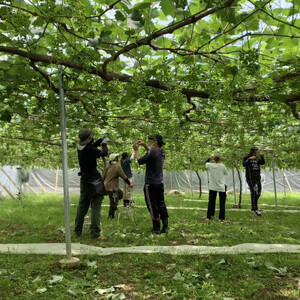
x=207 y=75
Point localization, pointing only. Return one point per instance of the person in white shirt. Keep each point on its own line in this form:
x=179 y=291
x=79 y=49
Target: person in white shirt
x=216 y=183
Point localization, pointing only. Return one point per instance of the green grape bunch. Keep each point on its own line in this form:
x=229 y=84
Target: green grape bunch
x=180 y=3
x=249 y=60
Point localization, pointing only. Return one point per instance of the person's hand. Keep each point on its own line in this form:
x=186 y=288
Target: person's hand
x=131 y=185
x=105 y=140
x=212 y=155
x=141 y=143
x=252 y=157
x=135 y=147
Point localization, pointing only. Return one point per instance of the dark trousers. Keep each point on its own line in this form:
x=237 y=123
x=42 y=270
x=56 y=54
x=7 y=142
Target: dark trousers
x=114 y=197
x=255 y=190
x=155 y=201
x=84 y=203
x=212 y=204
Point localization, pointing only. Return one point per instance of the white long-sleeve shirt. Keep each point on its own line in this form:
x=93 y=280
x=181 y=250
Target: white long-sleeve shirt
x=216 y=176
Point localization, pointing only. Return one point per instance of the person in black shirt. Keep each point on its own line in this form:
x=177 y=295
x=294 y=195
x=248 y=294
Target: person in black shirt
x=252 y=163
x=154 y=184
x=92 y=188
x=128 y=190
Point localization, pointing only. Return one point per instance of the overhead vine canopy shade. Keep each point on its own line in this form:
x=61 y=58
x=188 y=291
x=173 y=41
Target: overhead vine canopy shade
x=205 y=74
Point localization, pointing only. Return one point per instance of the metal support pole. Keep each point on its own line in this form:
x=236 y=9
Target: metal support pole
x=274 y=180
x=20 y=185
x=233 y=183
x=65 y=166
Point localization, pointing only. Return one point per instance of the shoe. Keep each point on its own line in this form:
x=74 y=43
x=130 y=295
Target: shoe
x=258 y=213
x=165 y=228
x=99 y=238
x=156 y=226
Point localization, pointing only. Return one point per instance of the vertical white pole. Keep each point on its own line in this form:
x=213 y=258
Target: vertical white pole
x=21 y=193
x=274 y=179
x=233 y=183
x=65 y=165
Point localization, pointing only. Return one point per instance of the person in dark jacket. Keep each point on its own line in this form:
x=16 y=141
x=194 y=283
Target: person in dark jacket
x=92 y=188
x=126 y=167
x=154 y=184
x=252 y=163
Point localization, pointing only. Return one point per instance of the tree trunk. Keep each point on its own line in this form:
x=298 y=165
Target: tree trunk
x=240 y=179
x=200 y=184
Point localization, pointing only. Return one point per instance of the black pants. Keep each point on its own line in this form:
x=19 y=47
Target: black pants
x=155 y=201
x=212 y=204
x=255 y=190
x=114 y=197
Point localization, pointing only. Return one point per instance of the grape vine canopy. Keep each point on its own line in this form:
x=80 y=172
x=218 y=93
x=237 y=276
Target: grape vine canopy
x=209 y=75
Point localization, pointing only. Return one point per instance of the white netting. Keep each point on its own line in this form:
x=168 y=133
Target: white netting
x=51 y=181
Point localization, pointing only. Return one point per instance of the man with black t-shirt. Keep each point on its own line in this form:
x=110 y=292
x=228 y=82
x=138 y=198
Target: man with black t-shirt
x=252 y=163
x=92 y=188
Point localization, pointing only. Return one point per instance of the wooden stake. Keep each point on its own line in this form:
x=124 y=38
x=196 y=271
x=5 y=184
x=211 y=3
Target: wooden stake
x=287 y=182
x=10 y=179
x=37 y=181
x=8 y=192
x=31 y=188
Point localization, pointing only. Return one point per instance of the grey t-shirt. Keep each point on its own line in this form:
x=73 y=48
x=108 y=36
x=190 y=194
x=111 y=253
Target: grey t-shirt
x=154 y=160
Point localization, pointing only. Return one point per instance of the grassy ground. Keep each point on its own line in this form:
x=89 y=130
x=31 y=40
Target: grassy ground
x=40 y=219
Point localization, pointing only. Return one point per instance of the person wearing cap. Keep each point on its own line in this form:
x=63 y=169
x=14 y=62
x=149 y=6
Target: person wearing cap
x=252 y=163
x=92 y=188
x=111 y=181
x=216 y=183
x=154 y=183
x=128 y=190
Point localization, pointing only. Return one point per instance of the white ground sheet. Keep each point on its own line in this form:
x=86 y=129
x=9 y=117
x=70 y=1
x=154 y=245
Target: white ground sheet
x=80 y=249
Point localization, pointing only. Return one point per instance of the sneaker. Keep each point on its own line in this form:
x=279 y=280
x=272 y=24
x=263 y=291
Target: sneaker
x=258 y=213
x=99 y=238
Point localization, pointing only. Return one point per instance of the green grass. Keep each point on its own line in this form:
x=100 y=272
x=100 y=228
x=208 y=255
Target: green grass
x=40 y=219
